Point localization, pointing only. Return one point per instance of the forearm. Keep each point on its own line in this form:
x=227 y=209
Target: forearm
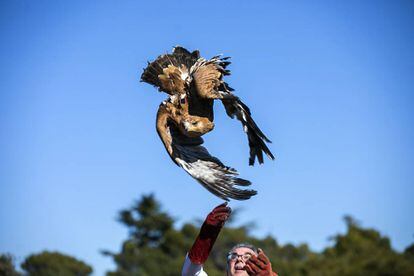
x=203 y=244
x=208 y=234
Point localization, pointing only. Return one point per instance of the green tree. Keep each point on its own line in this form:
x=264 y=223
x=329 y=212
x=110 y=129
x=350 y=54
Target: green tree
x=7 y=267
x=156 y=247
x=409 y=252
x=360 y=252
x=153 y=247
x=55 y=264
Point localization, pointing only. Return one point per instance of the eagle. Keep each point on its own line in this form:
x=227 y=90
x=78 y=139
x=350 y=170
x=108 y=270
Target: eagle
x=193 y=84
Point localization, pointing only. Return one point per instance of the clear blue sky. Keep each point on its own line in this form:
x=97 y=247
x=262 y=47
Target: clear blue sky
x=330 y=82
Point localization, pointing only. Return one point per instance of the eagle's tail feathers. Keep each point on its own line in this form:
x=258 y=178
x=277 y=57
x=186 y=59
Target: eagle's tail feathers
x=219 y=180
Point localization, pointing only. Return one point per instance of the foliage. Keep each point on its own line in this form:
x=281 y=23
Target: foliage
x=7 y=267
x=155 y=247
x=55 y=264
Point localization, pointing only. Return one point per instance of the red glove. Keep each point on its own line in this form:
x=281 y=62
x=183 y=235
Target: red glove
x=208 y=234
x=260 y=265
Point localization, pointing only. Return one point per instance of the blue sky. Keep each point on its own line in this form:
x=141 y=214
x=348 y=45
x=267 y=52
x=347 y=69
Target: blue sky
x=330 y=82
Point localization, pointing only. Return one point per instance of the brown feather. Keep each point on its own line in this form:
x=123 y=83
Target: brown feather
x=207 y=79
x=187 y=152
x=193 y=84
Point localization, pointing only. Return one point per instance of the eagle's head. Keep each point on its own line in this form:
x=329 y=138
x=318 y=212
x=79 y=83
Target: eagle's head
x=195 y=126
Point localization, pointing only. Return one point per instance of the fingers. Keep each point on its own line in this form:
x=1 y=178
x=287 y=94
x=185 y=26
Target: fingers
x=224 y=204
x=252 y=268
x=248 y=269
x=221 y=212
x=221 y=209
x=262 y=256
x=226 y=210
x=219 y=215
x=258 y=262
x=221 y=218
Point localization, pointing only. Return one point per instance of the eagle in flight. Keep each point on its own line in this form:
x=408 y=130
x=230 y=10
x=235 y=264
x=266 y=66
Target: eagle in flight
x=193 y=83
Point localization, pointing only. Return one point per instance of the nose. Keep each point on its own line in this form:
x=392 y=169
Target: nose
x=240 y=258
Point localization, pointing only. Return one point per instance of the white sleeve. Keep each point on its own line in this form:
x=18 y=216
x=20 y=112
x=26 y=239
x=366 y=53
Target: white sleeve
x=190 y=269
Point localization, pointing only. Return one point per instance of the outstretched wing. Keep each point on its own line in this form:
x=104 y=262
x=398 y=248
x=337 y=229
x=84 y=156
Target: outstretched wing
x=168 y=72
x=208 y=84
x=207 y=77
x=209 y=171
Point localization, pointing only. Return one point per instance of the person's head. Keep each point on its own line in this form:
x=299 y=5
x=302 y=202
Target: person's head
x=237 y=257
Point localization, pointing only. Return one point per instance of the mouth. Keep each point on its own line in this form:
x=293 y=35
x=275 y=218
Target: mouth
x=239 y=267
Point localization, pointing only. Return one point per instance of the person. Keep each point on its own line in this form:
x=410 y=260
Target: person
x=243 y=259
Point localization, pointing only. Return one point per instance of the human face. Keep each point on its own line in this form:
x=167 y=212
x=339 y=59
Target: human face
x=236 y=266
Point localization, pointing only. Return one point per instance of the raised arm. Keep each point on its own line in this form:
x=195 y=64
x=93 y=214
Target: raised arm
x=204 y=242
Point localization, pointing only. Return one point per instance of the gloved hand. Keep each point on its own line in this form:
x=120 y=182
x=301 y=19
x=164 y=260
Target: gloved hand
x=260 y=265
x=208 y=233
